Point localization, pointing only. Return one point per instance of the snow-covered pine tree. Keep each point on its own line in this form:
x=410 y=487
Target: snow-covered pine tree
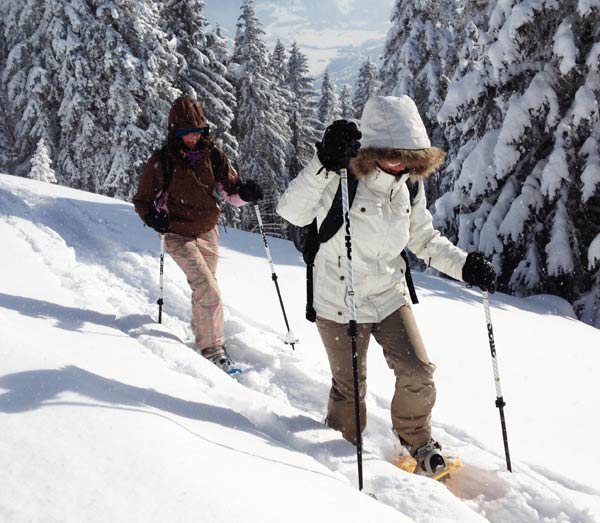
x=523 y=118
x=260 y=121
x=419 y=55
x=218 y=45
x=93 y=80
x=137 y=69
x=26 y=86
x=41 y=165
x=327 y=109
x=367 y=85
x=200 y=72
x=278 y=63
x=5 y=146
x=346 y=108
x=303 y=120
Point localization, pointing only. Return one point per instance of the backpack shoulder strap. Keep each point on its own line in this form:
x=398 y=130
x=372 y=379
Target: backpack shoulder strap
x=335 y=217
x=216 y=162
x=413 y=189
x=167 y=168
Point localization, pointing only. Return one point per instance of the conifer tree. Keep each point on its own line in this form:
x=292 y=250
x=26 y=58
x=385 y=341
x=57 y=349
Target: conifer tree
x=259 y=122
x=303 y=120
x=41 y=165
x=27 y=89
x=201 y=73
x=218 y=45
x=137 y=64
x=94 y=82
x=278 y=63
x=5 y=143
x=328 y=104
x=346 y=108
x=523 y=119
x=366 y=86
x=419 y=56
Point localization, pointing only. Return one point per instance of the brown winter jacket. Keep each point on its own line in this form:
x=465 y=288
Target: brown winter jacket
x=192 y=205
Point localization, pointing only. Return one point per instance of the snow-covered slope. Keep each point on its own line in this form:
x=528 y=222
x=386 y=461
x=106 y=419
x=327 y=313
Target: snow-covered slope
x=109 y=416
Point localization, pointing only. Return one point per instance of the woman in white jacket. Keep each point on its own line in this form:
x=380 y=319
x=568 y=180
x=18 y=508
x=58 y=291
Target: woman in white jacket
x=384 y=221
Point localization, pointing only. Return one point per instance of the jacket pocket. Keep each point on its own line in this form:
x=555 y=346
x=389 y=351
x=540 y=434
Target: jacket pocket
x=401 y=206
x=329 y=280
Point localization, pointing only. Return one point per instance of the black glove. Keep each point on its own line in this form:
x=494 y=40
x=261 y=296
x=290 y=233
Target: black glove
x=340 y=143
x=250 y=191
x=478 y=271
x=158 y=220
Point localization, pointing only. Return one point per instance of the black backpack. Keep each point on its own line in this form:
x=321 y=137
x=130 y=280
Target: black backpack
x=308 y=239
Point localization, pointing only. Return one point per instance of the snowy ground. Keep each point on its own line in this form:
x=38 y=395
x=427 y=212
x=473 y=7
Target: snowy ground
x=109 y=416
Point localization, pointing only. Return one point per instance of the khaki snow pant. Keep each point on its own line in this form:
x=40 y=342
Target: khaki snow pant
x=198 y=258
x=405 y=354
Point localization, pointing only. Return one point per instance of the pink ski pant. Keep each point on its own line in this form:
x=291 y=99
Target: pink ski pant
x=198 y=258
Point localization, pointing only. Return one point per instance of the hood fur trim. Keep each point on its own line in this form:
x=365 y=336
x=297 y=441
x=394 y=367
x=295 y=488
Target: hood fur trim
x=421 y=163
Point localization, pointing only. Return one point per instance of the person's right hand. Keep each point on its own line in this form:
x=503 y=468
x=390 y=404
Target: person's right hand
x=340 y=143
x=158 y=220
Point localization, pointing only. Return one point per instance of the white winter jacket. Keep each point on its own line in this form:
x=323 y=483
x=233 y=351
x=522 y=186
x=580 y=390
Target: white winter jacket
x=383 y=222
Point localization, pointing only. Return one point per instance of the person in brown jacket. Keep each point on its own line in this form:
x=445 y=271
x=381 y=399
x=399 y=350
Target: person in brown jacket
x=187 y=213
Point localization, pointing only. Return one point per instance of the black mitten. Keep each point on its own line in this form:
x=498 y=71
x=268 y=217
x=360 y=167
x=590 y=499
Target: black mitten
x=340 y=143
x=478 y=271
x=157 y=220
x=250 y=191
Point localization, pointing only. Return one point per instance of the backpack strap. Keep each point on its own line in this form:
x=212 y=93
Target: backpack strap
x=413 y=189
x=409 y=280
x=167 y=168
x=335 y=217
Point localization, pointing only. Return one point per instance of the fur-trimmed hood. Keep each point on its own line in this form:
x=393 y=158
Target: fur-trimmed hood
x=419 y=162
x=392 y=129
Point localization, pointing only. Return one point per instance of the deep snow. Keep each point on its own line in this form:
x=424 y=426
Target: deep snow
x=108 y=416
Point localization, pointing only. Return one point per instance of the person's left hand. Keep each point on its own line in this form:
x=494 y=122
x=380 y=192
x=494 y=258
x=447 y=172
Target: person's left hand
x=250 y=191
x=478 y=271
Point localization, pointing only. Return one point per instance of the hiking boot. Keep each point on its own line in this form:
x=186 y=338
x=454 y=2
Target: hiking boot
x=430 y=461
x=219 y=357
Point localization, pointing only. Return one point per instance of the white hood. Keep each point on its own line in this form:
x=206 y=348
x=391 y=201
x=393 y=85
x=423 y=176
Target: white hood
x=392 y=122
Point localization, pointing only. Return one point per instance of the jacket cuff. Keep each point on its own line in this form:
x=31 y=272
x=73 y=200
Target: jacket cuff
x=315 y=174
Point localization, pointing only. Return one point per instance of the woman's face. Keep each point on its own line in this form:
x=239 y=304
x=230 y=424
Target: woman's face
x=392 y=166
x=191 y=139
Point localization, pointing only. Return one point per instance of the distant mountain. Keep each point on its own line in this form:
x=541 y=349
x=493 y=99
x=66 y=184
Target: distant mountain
x=335 y=33
x=343 y=69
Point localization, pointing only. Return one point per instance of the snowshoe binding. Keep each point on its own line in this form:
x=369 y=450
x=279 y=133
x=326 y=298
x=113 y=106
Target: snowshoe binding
x=428 y=460
x=219 y=357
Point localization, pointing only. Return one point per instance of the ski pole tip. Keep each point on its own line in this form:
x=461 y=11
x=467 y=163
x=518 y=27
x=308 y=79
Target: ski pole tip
x=290 y=338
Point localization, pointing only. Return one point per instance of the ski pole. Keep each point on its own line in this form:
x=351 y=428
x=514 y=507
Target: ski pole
x=352 y=326
x=290 y=338
x=161 y=277
x=499 y=399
